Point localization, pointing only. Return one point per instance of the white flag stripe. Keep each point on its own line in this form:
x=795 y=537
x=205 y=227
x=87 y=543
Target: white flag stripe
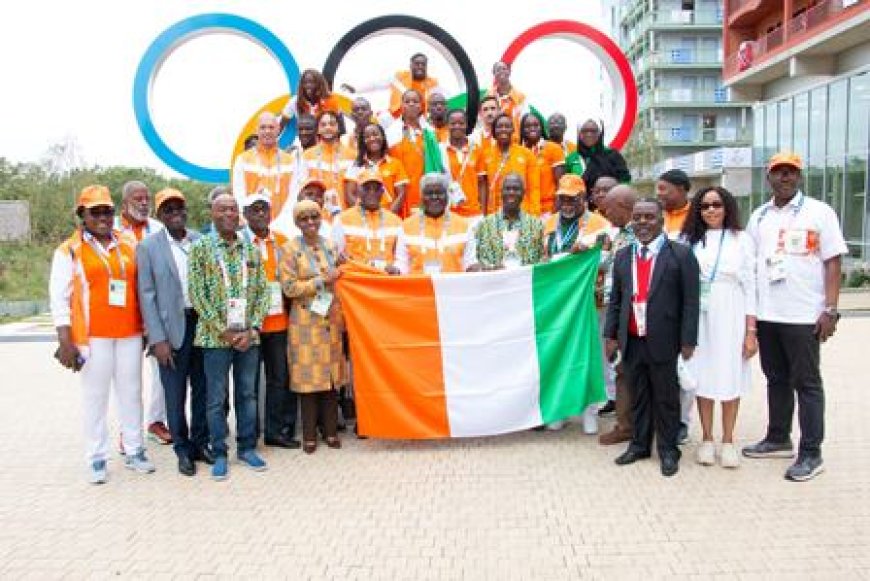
x=488 y=352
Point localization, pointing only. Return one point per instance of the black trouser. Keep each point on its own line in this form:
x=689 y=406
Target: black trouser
x=790 y=360
x=323 y=404
x=280 y=413
x=187 y=368
x=655 y=399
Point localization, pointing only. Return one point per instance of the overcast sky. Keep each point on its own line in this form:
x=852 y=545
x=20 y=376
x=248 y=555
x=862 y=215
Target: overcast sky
x=68 y=67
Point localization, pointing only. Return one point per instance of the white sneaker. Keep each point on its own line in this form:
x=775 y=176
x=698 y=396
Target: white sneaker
x=729 y=457
x=590 y=420
x=706 y=454
x=98 y=473
x=556 y=426
x=139 y=462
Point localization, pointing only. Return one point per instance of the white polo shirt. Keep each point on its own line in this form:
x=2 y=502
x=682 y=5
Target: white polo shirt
x=805 y=232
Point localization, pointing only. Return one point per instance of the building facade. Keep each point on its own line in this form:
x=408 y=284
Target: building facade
x=675 y=47
x=806 y=66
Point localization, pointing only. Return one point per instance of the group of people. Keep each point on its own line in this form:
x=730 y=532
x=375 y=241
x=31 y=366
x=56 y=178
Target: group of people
x=686 y=296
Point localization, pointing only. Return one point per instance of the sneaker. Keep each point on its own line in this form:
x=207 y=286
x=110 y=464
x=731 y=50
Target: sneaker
x=139 y=462
x=555 y=426
x=590 y=421
x=220 y=469
x=765 y=449
x=805 y=469
x=729 y=457
x=682 y=434
x=99 y=473
x=706 y=453
x=158 y=432
x=608 y=409
x=252 y=460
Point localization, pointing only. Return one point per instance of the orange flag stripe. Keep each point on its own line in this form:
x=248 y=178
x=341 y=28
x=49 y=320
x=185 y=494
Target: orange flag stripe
x=396 y=355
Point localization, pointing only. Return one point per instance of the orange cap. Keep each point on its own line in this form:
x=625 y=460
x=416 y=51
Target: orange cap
x=165 y=195
x=92 y=196
x=571 y=185
x=369 y=176
x=312 y=180
x=785 y=158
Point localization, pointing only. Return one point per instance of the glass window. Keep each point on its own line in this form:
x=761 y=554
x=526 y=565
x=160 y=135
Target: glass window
x=758 y=157
x=818 y=120
x=835 y=174
x=785 y=125
x=802 y=124
x=859 y=114
x=771 y=130
x=855 y=200
x=837 y=111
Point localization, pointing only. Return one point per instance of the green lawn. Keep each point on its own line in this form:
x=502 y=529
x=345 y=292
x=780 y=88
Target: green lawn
x=24 y=271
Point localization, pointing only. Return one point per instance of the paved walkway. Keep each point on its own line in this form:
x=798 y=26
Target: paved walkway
x=530 y=505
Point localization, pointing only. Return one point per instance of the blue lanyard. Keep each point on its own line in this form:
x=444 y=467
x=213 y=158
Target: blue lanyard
x=795 y=213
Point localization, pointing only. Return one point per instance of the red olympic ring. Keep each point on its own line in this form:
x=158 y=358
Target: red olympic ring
x=600 y=44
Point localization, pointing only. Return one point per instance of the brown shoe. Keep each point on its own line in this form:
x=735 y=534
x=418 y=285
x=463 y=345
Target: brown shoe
x=615 y=436
x=160 y=433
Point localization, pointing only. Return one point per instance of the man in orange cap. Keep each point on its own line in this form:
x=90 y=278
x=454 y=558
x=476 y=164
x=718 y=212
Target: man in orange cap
x=574 y=228
x=367 y=232
x=798 y=246
x=162 y=262
x=95 y=309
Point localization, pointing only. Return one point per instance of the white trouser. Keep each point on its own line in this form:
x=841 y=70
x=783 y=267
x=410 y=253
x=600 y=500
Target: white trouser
x=118 y=363
x=609 y=373
x=156 y=411
x=687 y=404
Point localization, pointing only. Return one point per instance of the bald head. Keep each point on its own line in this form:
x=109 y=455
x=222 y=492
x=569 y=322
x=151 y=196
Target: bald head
x=268 y=128
x=618 y=204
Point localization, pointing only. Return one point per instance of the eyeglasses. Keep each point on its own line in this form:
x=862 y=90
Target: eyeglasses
x=101 y=212
x=711 y=205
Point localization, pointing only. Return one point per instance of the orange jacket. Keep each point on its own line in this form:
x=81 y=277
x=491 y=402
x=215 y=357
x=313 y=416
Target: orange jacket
x=404 y=81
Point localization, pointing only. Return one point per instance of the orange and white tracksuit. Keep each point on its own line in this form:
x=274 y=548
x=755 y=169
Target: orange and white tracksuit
x=109 y=336
x=366 y=236
x=432 y=245
x=264 y=170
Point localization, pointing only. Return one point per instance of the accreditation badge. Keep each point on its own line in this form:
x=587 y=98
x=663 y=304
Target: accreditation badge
x=117 y=292
x=321 y=303
x=704 y=295
x=379 y=263
x=457 y=196
x=510 y=238
x=276 y=298
x=639 y=308
x=237 y=315
x=512 y=262
x=776 y=268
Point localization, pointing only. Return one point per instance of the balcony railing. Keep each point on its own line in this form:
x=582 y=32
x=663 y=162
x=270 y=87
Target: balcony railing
x=660 y=96
x=800 y=27
x=693 y=135
x=677 y=17
x=686 y=56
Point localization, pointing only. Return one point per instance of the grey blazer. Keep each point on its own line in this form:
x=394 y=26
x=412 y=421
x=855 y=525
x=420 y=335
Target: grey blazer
x=161 y=299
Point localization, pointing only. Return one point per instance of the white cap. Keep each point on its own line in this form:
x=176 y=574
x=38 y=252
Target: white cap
x=254 y=198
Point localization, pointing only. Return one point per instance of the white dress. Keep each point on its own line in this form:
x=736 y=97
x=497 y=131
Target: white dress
x=718 y=364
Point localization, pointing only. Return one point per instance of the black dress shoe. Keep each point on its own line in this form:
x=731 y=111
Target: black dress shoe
x=283 y=441
x=630 y=457
x=670 y=465
x=186 y=466
x=204 y=454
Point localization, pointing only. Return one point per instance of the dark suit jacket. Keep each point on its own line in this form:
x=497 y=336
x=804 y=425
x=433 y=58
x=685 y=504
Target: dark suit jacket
x=672 y=304
x=161 y=298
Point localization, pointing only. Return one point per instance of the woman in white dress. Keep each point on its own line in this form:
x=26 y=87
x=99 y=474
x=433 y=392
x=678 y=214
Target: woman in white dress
x=726 y=331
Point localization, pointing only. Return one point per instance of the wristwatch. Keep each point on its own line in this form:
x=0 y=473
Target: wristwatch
x=832 y=312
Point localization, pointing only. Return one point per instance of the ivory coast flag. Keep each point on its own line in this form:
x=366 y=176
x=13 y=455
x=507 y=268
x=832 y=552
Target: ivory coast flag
x=473 y=354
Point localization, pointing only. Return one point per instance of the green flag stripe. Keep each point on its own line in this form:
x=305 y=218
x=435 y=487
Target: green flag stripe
x=567 y=335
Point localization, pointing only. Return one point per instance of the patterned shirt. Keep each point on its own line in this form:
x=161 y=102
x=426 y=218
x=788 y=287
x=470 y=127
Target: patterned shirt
x=491 y=239
x=208 y=291
x=624 y=237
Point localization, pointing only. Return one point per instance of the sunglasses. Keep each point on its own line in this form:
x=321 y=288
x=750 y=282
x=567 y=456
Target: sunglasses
x=711 y=205
x=101 y=212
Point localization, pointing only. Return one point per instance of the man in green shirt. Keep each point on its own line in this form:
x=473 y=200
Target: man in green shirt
x=510 y=238
x=227 y=285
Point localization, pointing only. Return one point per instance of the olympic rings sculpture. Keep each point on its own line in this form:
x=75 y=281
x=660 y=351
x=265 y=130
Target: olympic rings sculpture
x=613 y=59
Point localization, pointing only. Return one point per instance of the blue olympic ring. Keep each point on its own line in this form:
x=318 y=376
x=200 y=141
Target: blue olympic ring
x=157 y=54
